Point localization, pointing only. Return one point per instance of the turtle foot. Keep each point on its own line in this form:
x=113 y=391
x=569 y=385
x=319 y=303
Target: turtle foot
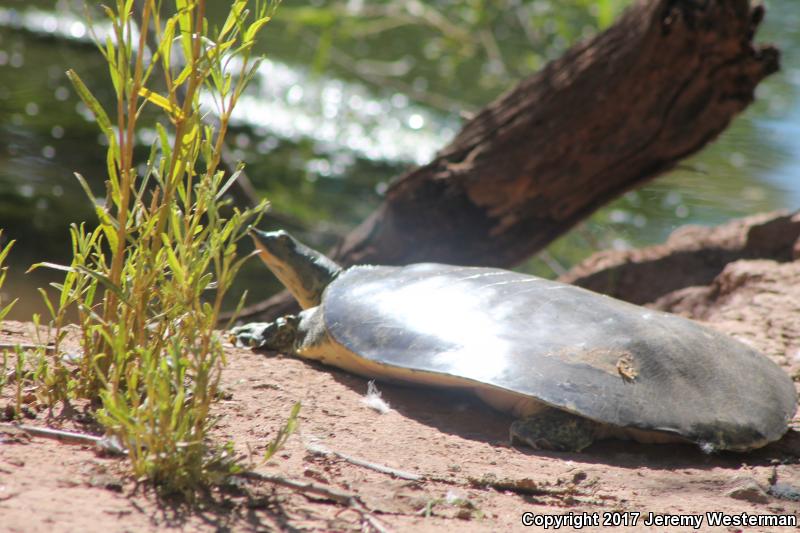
x=278 y=335
x=249 y=335
x=554 y=429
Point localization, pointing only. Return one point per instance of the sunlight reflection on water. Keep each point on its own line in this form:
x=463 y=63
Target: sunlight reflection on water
x=333 y=126
x=293 y=104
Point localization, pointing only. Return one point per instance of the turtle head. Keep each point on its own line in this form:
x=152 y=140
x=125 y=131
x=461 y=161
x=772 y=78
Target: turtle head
x=303 y=271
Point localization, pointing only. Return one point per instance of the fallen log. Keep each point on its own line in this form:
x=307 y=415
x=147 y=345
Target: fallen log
x=609 y=115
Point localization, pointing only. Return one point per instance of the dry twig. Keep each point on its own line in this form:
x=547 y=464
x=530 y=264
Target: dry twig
x=57 y=434
x=106 y=444
x=319 y=449
x=341 y=497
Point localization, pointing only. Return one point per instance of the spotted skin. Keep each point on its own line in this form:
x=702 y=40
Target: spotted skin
x=554 y=429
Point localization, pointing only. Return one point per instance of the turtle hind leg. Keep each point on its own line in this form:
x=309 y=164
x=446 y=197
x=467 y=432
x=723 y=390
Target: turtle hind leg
x=554 y=429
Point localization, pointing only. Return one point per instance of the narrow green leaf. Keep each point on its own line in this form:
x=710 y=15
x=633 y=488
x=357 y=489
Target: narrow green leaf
x=91 y=102
x=6 y=249
x=162 y=102
x=234 y=17
x=254 y=28
x=185 y=23
x=5 y=310
x=184 y=75
x=235 y=314
x=103 y=280
x=109 y=226
x=165 y=46
x=283 y=434
x=112 y=161
x=175 y=265
x=228 y=184
x=85 y=186
x=65 y=291
x=46 y=303
x=163 y=137
x=128 y=8
x=110 y=56
x=45 y=264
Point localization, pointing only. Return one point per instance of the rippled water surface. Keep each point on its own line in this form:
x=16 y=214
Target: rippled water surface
x=322 y=138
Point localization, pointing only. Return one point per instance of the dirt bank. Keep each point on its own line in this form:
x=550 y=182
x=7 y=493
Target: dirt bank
x=742 y=278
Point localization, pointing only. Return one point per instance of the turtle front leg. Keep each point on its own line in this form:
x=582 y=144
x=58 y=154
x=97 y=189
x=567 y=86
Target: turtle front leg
x=279 y=335
x=554 y=429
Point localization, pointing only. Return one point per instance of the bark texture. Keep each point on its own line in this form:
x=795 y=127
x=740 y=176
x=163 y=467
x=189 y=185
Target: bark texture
x=609 y=115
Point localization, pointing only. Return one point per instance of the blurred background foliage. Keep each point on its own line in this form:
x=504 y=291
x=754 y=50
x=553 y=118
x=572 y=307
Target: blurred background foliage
x=354 y=92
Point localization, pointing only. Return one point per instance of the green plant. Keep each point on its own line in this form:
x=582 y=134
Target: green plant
x=5 y=309
x=149 y=281
x=19 y=380
x=21 y=374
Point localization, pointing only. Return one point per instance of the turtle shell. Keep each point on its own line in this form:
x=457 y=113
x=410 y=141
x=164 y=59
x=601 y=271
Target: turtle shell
x=580 y=351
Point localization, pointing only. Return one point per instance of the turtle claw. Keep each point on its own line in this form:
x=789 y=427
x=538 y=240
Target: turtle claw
x=279 y=335
x=249 y=335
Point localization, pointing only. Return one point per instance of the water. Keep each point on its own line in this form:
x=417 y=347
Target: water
x=322 y=143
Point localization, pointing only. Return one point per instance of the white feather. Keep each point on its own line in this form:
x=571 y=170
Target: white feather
x=374 y=401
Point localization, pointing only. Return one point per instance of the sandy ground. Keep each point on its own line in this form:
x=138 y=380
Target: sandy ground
x=467 y=476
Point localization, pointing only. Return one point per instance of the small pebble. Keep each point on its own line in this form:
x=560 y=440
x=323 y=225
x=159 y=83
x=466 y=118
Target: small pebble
x=579 y=476
x=106 y=481
x=749 y=491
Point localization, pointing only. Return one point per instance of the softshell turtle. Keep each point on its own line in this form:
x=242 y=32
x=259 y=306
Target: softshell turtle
x=574 y=365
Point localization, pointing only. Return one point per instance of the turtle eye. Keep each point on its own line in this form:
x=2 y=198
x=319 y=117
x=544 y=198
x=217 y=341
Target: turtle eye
x=279 y=237
x=284 y=238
